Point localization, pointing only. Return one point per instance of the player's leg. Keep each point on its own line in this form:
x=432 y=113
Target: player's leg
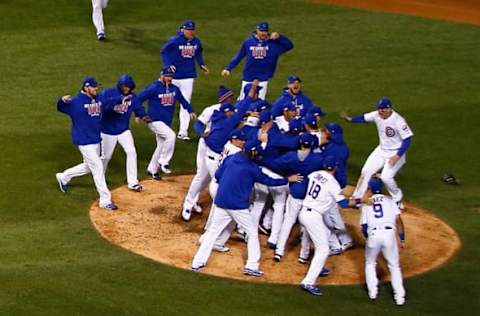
x=108 y=144
x=168 y=146
x=97 y=17
x=153 y=165
x=390 y=252
x=388 y=178
x=91 y=156
x=200 y=180
x=186 y=88
x=225 y=235
x=260 y=197
x=291 y=214
x=372 y=249
x=241 y=95
x=279 y=195
x=244 y=219
x=128 y=144
x=375 y=162
x=262 y=94
x=219 y=222
x=319 y=233
x=339 y=228
x=305 y=242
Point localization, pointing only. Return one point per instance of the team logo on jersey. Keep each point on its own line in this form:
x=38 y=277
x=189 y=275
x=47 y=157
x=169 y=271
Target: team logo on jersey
x=390 y=132
x=259 y=52
x=167 y=99
x=187 y=51
x=93 y=109
x=122 y=108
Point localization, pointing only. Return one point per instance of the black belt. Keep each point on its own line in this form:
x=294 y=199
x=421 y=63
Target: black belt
x=211 y=157
x=386 y=227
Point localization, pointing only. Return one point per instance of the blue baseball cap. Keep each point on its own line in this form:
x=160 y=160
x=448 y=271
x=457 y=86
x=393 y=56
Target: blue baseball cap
x=126 y=80
x=237 y=134
x=384 y=103
x=375 y=185
x=167 y=71
x=188 y=25
x=251 y=145
x=89 y=82
x=317 y=111
x=247 y=88
x=224 y=93
x=334 y=128
x=329 y=163
x=258 y=106
x=296 y=126
x=289 y=106
x=265 y=117
x=311 y=120
x=262 y=26
x=227 y=107
x=293 y=78
x=306 y=140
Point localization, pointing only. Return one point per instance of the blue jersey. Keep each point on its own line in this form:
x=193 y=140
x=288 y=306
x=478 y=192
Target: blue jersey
x=278 y=144
x=162 y=100
x=290 y=164
x=301 y=101
x=337 y=148
x=261 y=57
x=236 y=177
x=117 y=119
x=182 y=53
x=85 y=113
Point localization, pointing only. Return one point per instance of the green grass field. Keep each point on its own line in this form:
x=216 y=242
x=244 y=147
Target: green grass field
x=53 y=262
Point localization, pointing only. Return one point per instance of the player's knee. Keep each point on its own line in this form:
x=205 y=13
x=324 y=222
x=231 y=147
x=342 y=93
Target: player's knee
x=132 y=153
x=386 y=178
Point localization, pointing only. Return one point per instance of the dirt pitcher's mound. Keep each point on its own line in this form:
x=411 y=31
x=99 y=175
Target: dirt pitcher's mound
x=149 y=224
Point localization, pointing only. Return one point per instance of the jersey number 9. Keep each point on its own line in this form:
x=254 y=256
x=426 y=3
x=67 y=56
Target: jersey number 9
x=378 y=210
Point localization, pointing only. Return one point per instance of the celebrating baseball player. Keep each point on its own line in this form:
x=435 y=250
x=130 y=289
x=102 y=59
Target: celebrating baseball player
x=381 y=222
x=292 y=93
x=115 y=127
x=323 y=193
x=162 y=96
x=261 y=51
x=236 y=177
x=97 y=17
x=85 y=111
x=180 y=54
x=395 y=137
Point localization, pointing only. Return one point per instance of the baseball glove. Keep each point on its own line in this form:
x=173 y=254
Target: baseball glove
x=449 y=178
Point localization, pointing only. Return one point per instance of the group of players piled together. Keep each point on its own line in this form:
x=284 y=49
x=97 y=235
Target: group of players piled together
x=266 y=165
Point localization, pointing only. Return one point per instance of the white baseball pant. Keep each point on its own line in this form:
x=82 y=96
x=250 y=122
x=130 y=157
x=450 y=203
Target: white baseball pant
x=165 y=145
x=186 y=88
x=291 y=214
x=312 y=221
x=201 y=178
x=262 y=94
x=385 y=241
x=125 y=139
x=377 y=160
x=92 y=163
x=220 y=221
x=97 y=15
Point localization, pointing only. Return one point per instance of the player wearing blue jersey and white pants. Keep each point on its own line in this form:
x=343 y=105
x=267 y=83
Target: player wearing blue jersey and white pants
x=261 y=51
x=85 y=111
x=323 y=194
x=381 y=222
x=395 y=137
x=97 y=17
x=162 y=96
x=181 y=53
x=115 y=127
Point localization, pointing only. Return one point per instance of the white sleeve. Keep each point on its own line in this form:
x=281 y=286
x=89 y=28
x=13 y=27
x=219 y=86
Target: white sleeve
x=403 y=129
x=207 y=113
x=363 y=215
x=371 y=116
x=337 y=191
x=396 y=209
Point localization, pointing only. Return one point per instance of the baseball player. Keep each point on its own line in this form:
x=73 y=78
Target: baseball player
x=380 y=221
x=85 y=111
x=202 y=177
x=97 y=17
x=236 y=177
x=115 y=127
x=289 y=111
x=261 y=51
x=162 y=96
x=292 y=93
x=395 y=137
x=180 y=53
x=323 y=194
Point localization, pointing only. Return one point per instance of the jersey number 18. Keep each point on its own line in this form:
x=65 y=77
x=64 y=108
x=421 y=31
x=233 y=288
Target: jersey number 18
x=314 y=189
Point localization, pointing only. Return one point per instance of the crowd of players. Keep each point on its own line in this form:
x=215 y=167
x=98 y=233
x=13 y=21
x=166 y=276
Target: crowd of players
x=267 y=166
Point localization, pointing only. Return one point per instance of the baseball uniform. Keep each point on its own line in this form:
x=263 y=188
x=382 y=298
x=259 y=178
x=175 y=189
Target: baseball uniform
x=97 y=17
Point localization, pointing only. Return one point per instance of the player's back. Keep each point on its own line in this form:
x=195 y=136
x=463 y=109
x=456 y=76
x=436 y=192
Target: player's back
x=381 y=213
x=323 y=191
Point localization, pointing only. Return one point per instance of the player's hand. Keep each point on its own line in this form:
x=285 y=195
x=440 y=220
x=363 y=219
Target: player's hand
x=393 y=160
x=274 y=36
x=344 y=115
x=127 y=98
x=193 y=116
x=173 y=68
x=205 y=69
x=138 y=120
x=147 y=119
x=295 y=178
x=225 y=73
x=263 y=137
x=67 y=98
x=255 y=83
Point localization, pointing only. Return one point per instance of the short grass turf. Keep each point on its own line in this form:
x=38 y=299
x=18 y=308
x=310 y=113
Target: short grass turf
x=53 y=262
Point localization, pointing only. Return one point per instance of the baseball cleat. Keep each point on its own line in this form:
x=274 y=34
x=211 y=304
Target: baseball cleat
x=312 y=289
x=199 y=268
x=110 y=207
x=271 y=245
x=63 y=187
x=101 y=37
x=197 y=208
x=137 y=188
x=264 y=230
x=166 y=169
x=154 y=176
x=186 y=214
x=252 y=272
x=183 y=137
x=221 y=248
x=277 y=257
x=302 y=260
x=324 y=273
